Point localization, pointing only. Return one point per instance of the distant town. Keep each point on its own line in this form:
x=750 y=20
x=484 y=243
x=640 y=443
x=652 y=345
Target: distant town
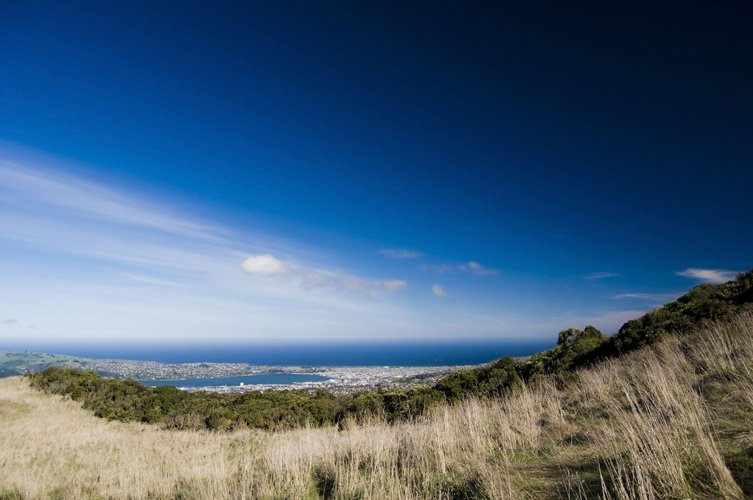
x=338 y=379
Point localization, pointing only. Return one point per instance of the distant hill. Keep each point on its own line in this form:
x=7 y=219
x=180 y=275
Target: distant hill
x=15 y=363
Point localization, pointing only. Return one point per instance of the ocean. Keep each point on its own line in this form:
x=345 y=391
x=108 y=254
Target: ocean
x=303 y=354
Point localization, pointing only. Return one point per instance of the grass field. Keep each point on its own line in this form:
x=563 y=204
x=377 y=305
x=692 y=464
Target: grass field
x=670 y=421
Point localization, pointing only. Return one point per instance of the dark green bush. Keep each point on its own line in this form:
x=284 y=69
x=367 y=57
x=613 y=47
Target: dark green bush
x=128 y=400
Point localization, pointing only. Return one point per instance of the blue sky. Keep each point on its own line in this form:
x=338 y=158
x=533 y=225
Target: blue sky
x=281 y=171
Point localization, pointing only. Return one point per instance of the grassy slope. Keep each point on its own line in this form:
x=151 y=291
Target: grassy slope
x=670 y=420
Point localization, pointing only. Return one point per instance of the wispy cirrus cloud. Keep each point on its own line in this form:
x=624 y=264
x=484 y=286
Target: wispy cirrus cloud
x=393 y=285
x=438 y=290
x=81 y=198
x=9 y=321
x=709 y=275
x=600 y=276
x=101 y=259
x=471 y=267
x=647 y=296
x=400 y=253
x=316 y=278
x=150 y=280
x=310 y=278
x=477 y=269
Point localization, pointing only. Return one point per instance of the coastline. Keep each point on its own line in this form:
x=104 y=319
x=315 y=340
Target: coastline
x=338 y=379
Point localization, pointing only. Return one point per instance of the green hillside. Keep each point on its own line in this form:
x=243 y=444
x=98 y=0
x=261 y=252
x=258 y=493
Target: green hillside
x=16 y=363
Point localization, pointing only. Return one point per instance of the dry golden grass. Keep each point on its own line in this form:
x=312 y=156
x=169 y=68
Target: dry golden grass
x=636 y=427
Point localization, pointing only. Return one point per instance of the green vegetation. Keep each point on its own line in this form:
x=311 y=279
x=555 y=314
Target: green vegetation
x=573 y=346
x=127 y=400
x=576 y=349
x=702 y=304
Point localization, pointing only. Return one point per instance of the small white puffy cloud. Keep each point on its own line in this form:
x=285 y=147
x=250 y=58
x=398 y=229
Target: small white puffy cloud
x=265 y=265
x=400 y=253
x=477 y=269
x=601 y=276
x=10 y=321
x=438 y=290
x=708 y=275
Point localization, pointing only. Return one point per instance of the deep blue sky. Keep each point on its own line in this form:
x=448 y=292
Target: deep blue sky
x=544 y=163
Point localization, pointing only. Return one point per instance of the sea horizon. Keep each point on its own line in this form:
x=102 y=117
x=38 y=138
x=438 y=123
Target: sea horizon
x=330 y=353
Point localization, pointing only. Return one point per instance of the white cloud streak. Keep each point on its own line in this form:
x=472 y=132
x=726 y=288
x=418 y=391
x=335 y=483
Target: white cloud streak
x=394 y=285
x=477 y=269
x=400 y=253
x=106 y=258
x=708 y=275
x=71 y=194
x=652 y=297
x=471 y=266
x=310 y=278
x=150 y=280
x=600 y=276
x=438 y=291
